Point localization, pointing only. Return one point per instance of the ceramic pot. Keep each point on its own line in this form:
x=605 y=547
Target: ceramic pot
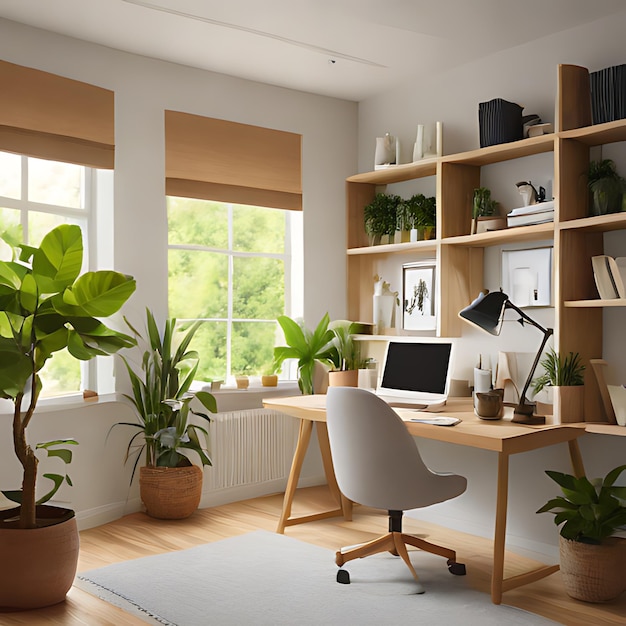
x=345 y=378
x=243 y=382
x=38 y=565
x=269 y=380
x=170 y=492
x=568 y=404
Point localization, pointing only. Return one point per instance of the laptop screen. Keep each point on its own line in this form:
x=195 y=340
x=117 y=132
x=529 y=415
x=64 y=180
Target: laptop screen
x=417 y=370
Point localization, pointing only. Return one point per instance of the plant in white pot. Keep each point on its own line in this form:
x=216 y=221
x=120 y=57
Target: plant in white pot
x=566 y=377
x=46 y=305
x=590 y=513
x=170 y=484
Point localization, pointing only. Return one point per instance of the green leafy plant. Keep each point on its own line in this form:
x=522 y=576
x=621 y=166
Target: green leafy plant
x=347 y=353
x=590 y=511
x=161 y=398
x=482 y=204
x=46 y=305
x=606 y=186
x=418 y=212
x=381 y=215
x=307 y=347
x=560 y=372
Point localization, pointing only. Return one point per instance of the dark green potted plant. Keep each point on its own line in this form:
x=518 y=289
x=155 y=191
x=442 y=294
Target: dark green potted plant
x=381 y=217
x=307 y=347
x=590 y=513
x=426 y=217
x=46 y=305
x=483 y=206
x=566 y=377
x=170 y=484
x=606 y=187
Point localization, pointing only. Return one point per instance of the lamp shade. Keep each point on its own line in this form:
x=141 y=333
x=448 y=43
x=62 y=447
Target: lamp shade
x=487 y=311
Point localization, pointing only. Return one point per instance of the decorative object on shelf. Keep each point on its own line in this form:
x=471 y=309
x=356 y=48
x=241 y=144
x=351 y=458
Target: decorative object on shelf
x=610 y=276
x=591 y=513
x=566 y=376
x=526 y=275
x=540 y=213
x=617 y=393
x=499 y=121
x=428 y=141
x=529 y=194
x=608 y=87
x=418 y=310
x=47 y=305
x=417 y=217
x=384 y=303
x=418 y=146
x=487 y=313
x=307 y=347
x=387 y=151
x=607 y=188
x=381 y=218
x=483 y=207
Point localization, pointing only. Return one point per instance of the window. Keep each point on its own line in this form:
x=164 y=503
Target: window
x=35 y=196
x=232 y=266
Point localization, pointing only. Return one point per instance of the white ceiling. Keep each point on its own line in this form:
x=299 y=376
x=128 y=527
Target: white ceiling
x=351 y=49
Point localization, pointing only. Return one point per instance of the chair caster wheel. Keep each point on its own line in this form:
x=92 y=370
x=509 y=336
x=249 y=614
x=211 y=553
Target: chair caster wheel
x=343 y=577
x=458 y=569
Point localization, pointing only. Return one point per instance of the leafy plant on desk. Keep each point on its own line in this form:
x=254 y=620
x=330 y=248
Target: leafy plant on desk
x=560 y=372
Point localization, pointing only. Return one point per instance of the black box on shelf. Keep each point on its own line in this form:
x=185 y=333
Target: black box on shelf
x=608 y=94
x=499 y=121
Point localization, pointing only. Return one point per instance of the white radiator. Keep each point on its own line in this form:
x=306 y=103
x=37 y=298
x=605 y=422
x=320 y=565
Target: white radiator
x=250 y=447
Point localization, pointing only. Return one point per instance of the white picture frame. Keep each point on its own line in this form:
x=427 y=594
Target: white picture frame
x=527 y=276
x=418 y=296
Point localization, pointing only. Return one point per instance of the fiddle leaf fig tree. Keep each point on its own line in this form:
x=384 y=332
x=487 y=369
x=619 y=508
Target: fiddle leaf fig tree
x=47 y=306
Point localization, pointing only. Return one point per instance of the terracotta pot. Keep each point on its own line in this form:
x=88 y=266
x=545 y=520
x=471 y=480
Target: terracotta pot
x=569 y=404
x=345 y=378
x=170 y=492
x=593 y=573
x=269 y=380
x=38 y=565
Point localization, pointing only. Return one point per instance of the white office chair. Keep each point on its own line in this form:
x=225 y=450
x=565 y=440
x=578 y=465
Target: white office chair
x=377 y=464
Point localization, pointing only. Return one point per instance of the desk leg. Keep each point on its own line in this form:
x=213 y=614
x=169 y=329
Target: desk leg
x=576 y=458
x=304 y=437
x=502 y=495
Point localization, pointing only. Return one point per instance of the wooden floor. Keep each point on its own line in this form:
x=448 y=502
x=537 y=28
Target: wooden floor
x=138 y=535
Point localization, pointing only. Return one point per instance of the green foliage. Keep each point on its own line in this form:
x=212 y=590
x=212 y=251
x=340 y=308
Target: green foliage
x=560 y=372
x=162 y=400
x=590 y=511
x=305 y=346
x=347 y=353
x=606 y=186
x=47 y=306
x=381 y=215
x=482 y=204
x=417 y=212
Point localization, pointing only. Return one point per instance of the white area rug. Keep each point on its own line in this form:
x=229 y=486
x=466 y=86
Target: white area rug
x=263 y=578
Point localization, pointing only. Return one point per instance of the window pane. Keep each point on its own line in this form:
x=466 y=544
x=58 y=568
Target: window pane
x=258 y=288
x=198 y=284
x=10 y=175
x=39 y=224
x=10 y=225
x=210 y=343
x=252 y=347
x=197 y=222
x=51 y=182
x=60 y=375
x=257 y=229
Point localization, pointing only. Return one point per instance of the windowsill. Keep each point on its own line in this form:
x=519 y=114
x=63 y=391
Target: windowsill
x=62 y=403
x=233 y=399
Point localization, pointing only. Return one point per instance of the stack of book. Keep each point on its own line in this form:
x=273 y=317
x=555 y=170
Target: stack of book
x=610 y=275
x=531 y=214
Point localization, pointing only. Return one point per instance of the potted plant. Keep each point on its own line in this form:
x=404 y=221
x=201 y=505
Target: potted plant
x=591 y=512
x=426 y=217
x=269 y=377
x=307 y=347
x=46 y=305
x=346 y=357
x=483 y=207
x=170 y=485
x=606 y=187
x=566 y=377
x=380 y=217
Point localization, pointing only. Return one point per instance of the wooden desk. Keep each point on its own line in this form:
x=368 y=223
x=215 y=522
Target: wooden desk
x=501 y=436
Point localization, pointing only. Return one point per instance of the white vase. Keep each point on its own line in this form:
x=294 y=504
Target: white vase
x=383 y=312
x=418 y=146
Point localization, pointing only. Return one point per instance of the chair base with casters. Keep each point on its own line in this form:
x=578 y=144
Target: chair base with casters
x=395 y=542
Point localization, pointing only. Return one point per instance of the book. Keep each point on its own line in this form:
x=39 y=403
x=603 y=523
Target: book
x=532 y=208
x=608 y=277
x=531 y=218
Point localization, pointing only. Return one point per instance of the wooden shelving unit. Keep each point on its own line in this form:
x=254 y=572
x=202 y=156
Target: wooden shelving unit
x=459 y=255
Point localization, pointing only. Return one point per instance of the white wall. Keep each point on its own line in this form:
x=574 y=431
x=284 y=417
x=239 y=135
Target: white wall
x=526 y=75
x=144 y=88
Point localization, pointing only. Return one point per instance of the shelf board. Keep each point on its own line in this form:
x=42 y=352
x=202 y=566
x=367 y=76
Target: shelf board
x=397 y=173
x=596 y=303
x=388 y=248
x=597 y=223
x=605 y=429
x=534 y=232
x=598 y=134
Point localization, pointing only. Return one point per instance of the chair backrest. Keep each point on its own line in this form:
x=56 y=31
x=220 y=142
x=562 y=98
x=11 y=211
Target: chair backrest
x=376 y=460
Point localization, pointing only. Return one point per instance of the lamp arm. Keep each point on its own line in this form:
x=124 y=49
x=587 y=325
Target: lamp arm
x=509 y=305
x=547 y=333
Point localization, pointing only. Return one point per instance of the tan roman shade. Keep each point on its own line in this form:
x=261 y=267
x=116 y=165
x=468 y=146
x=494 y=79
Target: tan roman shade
x=52 y=117
x=226 y=161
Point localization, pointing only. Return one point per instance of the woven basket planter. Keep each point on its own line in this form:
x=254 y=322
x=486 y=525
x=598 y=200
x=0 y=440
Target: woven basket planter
x=170 y=492
x=593 y=573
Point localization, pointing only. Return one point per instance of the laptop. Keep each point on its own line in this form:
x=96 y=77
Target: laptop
x=416 y=375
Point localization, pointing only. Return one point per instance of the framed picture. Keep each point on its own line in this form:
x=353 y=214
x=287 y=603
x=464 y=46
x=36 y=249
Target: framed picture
x=418 y=291
x=527 y=276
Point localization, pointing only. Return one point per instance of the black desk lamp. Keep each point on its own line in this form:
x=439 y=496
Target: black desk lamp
x=487 y=312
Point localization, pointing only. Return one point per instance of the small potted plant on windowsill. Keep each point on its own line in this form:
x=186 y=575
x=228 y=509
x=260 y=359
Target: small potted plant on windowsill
x=591 y=512
x=566 y=377
x=269 y=377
